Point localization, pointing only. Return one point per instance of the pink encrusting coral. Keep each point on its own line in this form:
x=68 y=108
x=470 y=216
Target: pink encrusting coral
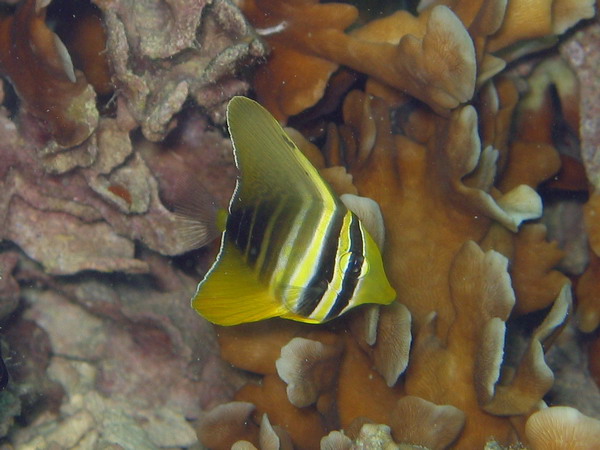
x=86 y=208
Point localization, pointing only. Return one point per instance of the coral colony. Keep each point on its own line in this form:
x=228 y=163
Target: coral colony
x=473 y=125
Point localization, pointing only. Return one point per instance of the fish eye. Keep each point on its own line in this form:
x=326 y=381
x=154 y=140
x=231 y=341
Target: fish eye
x=353 y=263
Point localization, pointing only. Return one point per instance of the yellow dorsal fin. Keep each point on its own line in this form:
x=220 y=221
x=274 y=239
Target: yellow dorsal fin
x=230 y=293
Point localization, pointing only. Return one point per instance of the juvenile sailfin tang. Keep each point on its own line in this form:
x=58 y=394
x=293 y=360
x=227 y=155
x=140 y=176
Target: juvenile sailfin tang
x=290 y=247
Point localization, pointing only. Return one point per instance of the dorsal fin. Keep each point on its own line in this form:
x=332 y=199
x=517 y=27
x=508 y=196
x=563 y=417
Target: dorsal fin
x=269 y=161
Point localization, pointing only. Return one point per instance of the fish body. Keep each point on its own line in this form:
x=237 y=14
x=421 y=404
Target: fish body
x=290 y=247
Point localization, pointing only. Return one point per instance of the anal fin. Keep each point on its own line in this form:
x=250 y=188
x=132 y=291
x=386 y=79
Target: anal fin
x=231 y=294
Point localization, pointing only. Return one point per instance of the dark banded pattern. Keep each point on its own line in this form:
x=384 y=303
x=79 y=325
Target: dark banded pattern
x=273 y=237
x=352 y=270
x=259 y=230
x=238 y=224
x=324 y=268
x=290 y=246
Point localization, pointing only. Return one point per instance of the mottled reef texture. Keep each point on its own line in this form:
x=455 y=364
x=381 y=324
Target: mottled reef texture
x=100 y=143
x=97 y=332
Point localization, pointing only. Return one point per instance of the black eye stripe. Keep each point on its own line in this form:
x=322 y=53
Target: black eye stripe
x=351 y=271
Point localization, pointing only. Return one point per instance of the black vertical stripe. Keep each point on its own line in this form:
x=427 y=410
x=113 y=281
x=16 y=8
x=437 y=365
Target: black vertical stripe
x=247 y=227
x=280 y=224
x=238 y=227
x=262 y=214
x=323 y=273
x=352 y=270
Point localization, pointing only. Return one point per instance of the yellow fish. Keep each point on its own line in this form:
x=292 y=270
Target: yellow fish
x=290 y=247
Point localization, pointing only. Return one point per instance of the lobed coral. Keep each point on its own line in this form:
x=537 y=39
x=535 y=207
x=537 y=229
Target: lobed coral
x=582 y=54
x=443 y=79
x=53 y=92
x=454 y=185
x=102 y=347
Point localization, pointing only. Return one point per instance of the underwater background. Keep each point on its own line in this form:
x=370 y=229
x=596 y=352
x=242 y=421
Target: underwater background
x=474 y=125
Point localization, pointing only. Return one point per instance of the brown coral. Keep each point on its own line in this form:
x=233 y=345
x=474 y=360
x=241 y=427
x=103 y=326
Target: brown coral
x=450 y=233
x=583 y=56
x=530 y=20
x=562 y=427
x=588 y=309
x=450 y=363
x=308 y=368
x=419 y=422
x=38 y=64
x=462 y=343
x=430 y=57
x=295 y=93
x=84 y=36
x=232 y=421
